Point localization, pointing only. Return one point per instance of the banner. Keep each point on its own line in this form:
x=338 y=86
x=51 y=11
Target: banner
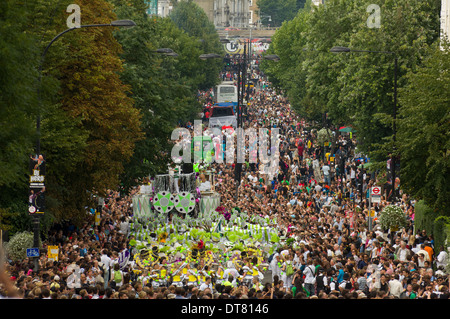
x=53 y=253
x=36 y=201
x=236 y=46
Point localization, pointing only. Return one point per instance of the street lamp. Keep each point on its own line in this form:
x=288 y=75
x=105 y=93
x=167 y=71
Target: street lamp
x=173 y=54
x=272 y=57
x=117 y=23
x=164 y=50
x=339 y=49
x=123 y=23
x=207 y=56
x=264 y=16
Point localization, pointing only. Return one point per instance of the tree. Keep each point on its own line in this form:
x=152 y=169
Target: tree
x=17 y=94
x=392 y=218
x=367 y=81
x=161 y=86
x=16 y=248
x=89 y=123
x=288 y=43
x=188 y=16
x=354 y=88
x=278 y=10
x=19 y=58
x=423 y=130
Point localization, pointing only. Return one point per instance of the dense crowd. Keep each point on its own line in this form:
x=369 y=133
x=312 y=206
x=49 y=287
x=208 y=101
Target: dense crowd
x=318 y=201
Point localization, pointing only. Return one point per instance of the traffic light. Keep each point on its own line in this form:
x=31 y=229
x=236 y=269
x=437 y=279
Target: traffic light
x=227 y=61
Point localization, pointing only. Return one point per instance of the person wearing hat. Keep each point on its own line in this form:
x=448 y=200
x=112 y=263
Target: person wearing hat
x=192 y=274
x=54 y=285
x=345 y=283
x=361 y=295
x=230 y=281
x=171 y=296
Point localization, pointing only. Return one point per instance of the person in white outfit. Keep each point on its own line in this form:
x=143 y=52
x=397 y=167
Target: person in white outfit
x=395 y=285
x=441 y=259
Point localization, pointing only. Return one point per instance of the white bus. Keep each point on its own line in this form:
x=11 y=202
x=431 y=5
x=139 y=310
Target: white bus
x=224 y=109
x=226 y=92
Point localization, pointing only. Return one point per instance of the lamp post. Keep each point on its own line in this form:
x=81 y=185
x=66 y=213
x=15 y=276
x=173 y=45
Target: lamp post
x=117 y=23
x=262 y=17
x=339 y=49
x=272 y=57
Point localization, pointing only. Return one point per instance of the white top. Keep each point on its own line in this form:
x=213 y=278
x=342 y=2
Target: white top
x=309 y=274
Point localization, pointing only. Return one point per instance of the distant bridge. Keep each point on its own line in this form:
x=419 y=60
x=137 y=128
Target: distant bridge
x=246 y=33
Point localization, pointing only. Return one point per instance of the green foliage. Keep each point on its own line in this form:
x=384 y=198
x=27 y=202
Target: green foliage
x=435 y=224
x=278 y=10
x=288 y=44
x=424 y=216
x=358 y=88
x=17 y=94
x=392 y=217
x=441 y=232
x=88 y=123
x=423 y=134
x=323 y=136
x=163 y=87
x=16 y=248
x=190 y=18
x=90 y=126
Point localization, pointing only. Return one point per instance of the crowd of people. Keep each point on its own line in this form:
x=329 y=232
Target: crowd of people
x=319 y=201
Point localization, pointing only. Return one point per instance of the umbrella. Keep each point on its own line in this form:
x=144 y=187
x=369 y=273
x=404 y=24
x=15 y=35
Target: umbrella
x=346 y=129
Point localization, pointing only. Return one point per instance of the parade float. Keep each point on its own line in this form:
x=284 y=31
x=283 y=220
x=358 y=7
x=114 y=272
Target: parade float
x=178 y=216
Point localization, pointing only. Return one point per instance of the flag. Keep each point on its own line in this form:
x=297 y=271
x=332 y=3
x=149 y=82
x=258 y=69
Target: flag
x=124 y=257
x=219 y=227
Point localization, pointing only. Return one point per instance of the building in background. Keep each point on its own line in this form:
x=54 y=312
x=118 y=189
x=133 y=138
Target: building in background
x=164 y=8
x=238 y=14
x=208 y=7
x=160 y=8
x=152 y=7
x=253 y=13
x=317 y=2
x=231 y=13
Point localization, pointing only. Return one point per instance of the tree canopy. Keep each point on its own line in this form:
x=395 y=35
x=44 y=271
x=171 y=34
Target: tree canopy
x=107 y=101
x=279 y=11
x=424 y=126
x=357 y=88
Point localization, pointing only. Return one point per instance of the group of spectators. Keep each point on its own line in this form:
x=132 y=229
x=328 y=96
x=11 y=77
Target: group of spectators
x=319 y=201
